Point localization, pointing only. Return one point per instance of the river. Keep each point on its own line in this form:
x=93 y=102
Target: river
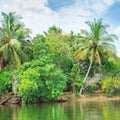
x=109 y=110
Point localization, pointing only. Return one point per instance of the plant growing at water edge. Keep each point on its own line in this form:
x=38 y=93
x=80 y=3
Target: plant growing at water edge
x=13 y=42
x=40 y=80
x=110 y=85
x=96 y=45
x=5 y=82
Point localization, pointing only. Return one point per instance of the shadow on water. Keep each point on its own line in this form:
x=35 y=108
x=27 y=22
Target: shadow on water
x=109 y=110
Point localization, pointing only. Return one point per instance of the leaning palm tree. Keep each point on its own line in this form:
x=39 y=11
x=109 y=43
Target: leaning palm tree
x=13 y=40
x=95 y=44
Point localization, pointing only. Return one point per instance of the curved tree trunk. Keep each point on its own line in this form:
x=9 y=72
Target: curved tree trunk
x=88 y=71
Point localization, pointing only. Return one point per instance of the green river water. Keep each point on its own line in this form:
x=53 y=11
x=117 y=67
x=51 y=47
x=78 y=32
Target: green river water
x=62 y=111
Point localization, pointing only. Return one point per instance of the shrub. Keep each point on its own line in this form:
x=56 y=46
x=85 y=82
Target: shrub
x=40 y=80
x=5 y=82
x=90 y=89
x=109 y=85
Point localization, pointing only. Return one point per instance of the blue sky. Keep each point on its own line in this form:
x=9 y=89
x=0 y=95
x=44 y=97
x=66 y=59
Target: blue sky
x=56 y=5
x=39 y=15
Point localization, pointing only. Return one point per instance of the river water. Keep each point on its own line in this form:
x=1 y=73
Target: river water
x=109 y=110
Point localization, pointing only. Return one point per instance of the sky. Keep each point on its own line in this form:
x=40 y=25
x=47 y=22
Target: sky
x=39 y=15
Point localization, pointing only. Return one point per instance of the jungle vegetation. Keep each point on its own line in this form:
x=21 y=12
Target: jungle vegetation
x=44 y=67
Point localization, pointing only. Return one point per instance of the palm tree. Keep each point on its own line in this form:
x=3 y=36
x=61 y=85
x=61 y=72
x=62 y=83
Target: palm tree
x=95 y=44
x=13 y=40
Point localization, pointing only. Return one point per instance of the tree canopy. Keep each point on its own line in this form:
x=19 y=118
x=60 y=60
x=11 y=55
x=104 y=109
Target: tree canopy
x=13 y=40
x=43 y=67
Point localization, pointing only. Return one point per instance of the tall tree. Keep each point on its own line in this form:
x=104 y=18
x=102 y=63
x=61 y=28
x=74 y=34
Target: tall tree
x=13 y=40
x=58 y=45
x=95 y=44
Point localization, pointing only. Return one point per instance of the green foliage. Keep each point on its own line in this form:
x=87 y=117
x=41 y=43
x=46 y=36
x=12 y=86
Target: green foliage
x=74 y=74
x=90 y=89
x=115 y=69
x=78 y=83
x=13 y=41
x=95 y=45
x=40 y=80
x=76 y=78
x=5 y=81
x=59 y=47
x=109 y=84
x=40 y=48
x=45 y=45
x=74 y=71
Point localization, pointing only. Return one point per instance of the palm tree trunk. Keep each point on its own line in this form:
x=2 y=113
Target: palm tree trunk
x=88 y=71
x=2 y=62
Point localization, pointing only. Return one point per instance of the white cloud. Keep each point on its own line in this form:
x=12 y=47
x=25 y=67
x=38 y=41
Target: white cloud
x=101 y=6
x=37 y=16
x=117 y=43
x=74 y=16
x=32 y=3
x=108 y=2
x=117 y=30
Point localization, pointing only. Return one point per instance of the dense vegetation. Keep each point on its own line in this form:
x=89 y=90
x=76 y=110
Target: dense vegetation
x=43 y=67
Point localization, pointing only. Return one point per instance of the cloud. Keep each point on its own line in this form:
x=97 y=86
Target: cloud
x=87 y=7
x=74 y=16
x=39 y=17
x=101 y=6
x=36 y=15
x=32 y=3
x=117 y=30
x=117 y=43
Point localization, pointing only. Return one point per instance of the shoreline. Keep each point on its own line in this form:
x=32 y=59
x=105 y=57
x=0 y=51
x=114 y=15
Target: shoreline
x=98 y=99
x=90 y=98
x=11 y=99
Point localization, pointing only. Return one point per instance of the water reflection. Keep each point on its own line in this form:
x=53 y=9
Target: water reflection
x=63 y=111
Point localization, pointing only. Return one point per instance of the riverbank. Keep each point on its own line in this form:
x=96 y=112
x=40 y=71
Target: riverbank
x=12 y=99
x=91 y=97
x=9 y=99
x=100 y=98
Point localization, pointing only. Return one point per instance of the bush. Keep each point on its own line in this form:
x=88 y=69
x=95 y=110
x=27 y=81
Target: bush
x=109 y=85
x=5 y=82
x=90 y=89
x=40 y=80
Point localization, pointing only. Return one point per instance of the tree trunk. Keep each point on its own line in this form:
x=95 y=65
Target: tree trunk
x=2 y=62
x=88 y=71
